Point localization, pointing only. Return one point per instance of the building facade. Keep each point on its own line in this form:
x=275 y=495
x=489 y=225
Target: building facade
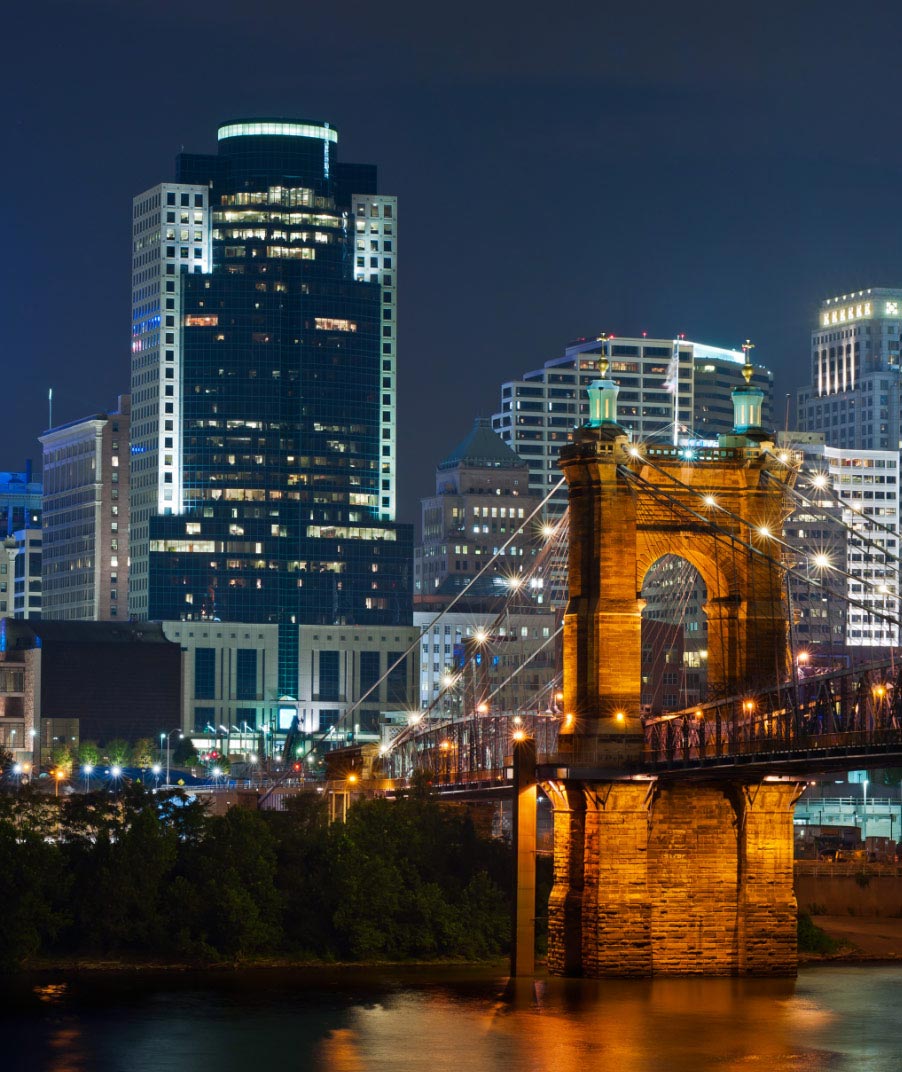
x=231 y=684
x=482 y=498
x=847 y=542
x=673 y=390
x=264 y=458
x=86 y=517
x=466 y=657
x=854 y=398
x=85 y=680
x=20 y=578
x=20 y=560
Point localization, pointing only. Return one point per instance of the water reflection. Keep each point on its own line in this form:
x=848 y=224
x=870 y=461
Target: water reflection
x=446 y=1020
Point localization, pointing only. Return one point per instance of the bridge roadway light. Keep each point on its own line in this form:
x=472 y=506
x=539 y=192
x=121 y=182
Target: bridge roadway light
x=710 y=500
x=482 y=709
x=519 y=735
x=821 y=561
x=619 y=716
x=548 y=531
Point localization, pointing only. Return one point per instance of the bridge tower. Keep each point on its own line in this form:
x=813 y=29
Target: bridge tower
x=653 y=875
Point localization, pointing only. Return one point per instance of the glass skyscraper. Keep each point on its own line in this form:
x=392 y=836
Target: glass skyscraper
x=268 y=460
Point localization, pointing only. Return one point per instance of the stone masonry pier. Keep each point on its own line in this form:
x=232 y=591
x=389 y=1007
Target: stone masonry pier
x=672 y=878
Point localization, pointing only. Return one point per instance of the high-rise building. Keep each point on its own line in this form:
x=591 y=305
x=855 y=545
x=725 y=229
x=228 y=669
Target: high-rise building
x=20 y=557
x=854 y=395
x=847 y=543
x=478 y=545
x=20 y=501
x=265 y=379
x=670 y=389
x=20 y=581
x=86 y=517
x=482 y=498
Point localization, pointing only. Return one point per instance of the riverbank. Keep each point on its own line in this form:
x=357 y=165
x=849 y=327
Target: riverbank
x=137 y=965
x=862 y=938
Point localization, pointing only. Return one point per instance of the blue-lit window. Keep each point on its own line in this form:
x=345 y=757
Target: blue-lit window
x=204 y=673
x=246 y=674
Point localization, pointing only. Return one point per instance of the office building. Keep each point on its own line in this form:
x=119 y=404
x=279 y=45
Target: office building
x=673 y=390
x=70 y=681
x=20 y=578
x=86 y=517
x=847 y=542
x=20 y=558
x=512 y=656
x=264 y=381
x=482 y=499
x=231 y=681
x=20 y=501
x=482 y=535
x=853 y=398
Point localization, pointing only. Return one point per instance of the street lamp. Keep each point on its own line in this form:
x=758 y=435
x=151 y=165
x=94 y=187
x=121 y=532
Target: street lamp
x=86 y=770
x=155 y=770
x=168 y=738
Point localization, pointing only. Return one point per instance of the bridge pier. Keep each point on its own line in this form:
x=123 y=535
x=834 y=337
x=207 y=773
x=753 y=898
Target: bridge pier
x=672 y=878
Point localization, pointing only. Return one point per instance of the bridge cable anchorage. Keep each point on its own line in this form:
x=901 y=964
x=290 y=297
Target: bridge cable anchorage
x=656 y=491
x=343 y=719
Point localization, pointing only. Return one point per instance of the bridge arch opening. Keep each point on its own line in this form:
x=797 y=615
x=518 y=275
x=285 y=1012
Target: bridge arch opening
x=674 y=636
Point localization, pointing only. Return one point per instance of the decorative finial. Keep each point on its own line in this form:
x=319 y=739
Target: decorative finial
x=603 y=364
x=748 y=369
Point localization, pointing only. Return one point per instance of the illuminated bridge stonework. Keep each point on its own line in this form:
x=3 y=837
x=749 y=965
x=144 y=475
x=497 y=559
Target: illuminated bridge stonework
x=654 y=874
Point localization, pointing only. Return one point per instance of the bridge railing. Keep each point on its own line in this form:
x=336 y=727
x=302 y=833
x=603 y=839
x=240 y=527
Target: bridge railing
x=469 y=750
x=857 y=709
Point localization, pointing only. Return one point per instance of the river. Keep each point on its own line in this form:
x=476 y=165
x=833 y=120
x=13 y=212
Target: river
x=449 y=1020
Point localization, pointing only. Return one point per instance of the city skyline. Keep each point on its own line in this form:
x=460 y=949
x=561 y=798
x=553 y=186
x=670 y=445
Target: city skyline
x=623 y=172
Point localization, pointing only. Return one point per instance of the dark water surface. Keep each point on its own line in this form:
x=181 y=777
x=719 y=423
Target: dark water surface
x=449 y=1019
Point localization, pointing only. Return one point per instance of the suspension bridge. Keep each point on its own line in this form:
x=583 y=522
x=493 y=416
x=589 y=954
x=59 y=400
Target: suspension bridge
x=673 y=839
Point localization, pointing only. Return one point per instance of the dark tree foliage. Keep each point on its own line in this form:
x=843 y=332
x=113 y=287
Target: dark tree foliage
x=153 y=876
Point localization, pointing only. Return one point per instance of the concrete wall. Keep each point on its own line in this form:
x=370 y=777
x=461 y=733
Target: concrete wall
x=855 y=891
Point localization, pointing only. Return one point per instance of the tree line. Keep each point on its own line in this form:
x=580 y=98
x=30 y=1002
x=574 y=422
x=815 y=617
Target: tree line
x=139 y=875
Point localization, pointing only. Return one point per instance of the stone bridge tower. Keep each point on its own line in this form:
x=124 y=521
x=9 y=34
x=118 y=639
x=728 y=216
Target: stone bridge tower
x=654 y=876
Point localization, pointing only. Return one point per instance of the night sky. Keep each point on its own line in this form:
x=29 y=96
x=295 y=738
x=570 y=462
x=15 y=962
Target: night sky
x=708 y=168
